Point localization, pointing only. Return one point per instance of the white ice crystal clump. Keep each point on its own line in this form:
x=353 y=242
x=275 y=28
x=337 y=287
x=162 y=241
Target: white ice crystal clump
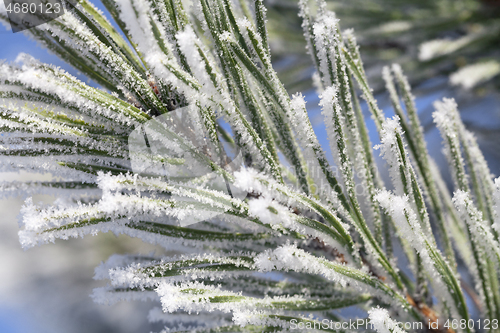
x=190 y=300
x=445 y=119
x=325 y=37
x=247 y=179
x=496 y=200
x=290 y=258
x=71 y=92
x=142 y=273
x=330 y=110
x=139 y=17
x=278 y=197
x=189 y=44
x=471 y=75
x=479 y=229
x=255 y=182
x=382 y=322
x=406 y=221
x=313 y=152
x=117 y=211
x=41 y=225
x=276 y=215
x=390 y=151
x=196 y=297
x=269 y=212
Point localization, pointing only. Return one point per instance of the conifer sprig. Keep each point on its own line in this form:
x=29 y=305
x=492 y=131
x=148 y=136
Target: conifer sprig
x=302 y=241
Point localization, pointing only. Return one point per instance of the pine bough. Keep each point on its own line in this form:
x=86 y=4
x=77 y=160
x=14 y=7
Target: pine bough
x=305 y=241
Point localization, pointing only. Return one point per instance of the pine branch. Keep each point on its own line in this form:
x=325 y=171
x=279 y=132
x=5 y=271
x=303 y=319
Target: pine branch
x=199 y=148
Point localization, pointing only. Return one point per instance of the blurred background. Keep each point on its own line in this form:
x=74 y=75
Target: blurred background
x=448 y=48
